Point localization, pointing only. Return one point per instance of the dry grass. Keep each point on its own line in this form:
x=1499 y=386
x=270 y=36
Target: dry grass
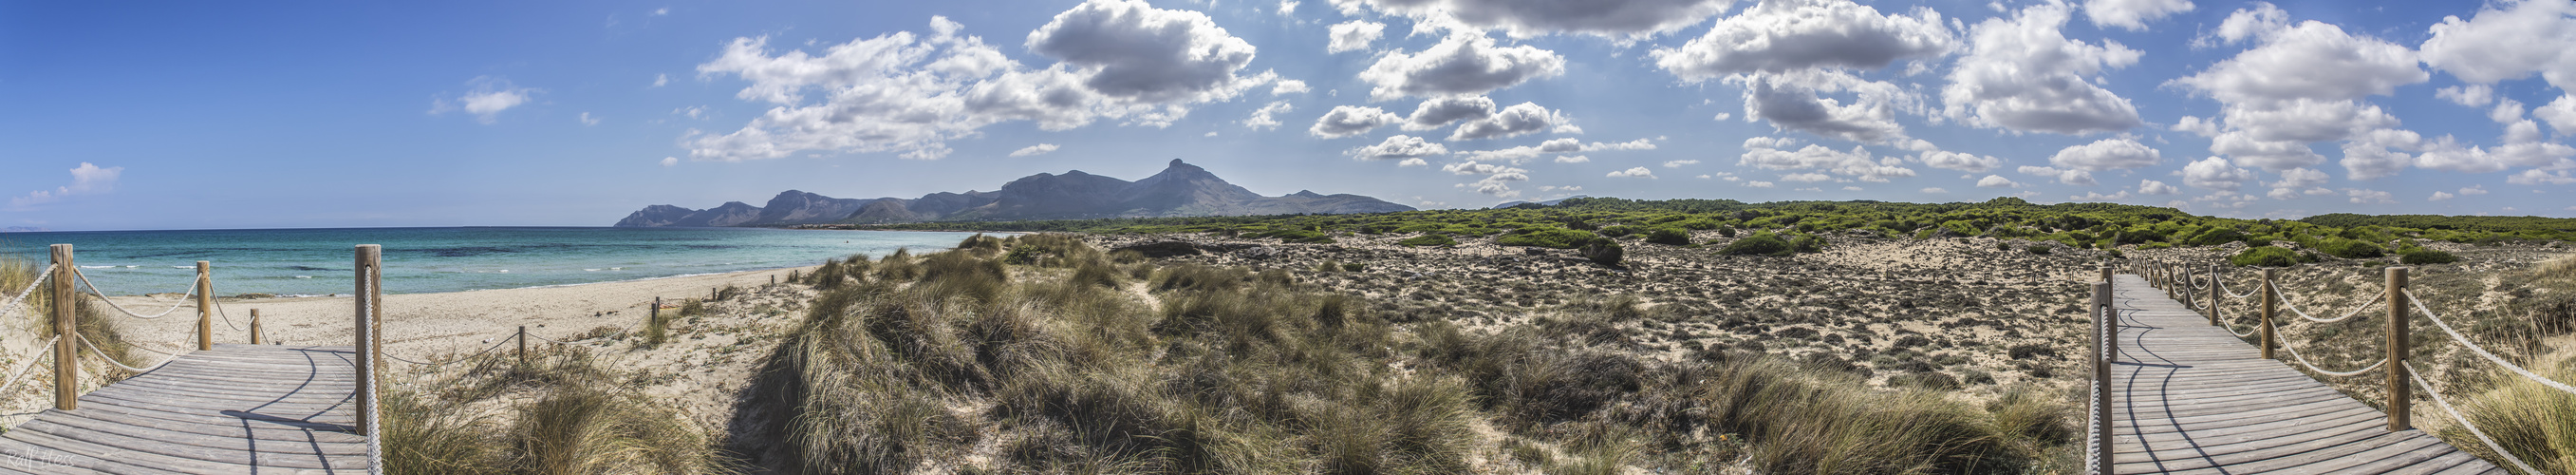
x=563 y=413
x=2535 y=422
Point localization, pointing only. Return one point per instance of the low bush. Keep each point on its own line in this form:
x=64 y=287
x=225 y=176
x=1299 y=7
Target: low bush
x=1442 y=240
x=2423 y=256
x=2266 y=256
x=1604 y=251
x=1761 y=243
x=2351 y=249
x=1545 y=236
x=1668 y=236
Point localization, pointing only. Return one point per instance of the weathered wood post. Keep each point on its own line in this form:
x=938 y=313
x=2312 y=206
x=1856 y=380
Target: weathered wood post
x=2166 y=270
x=254 y=329
x=66 y=351
x=523 y=345
x=368 y=256
x=2271 y=300
x=2106 y=348
x=205 y=308
x=656 y=314
x=2214 y=290
x=2401 y=395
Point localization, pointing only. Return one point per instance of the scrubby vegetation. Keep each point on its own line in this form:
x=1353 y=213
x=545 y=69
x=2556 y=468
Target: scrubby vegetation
x=2266 y=256
x=1060 y=365
x=561 y=413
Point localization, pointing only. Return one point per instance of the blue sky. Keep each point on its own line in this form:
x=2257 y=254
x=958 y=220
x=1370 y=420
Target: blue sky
x=329 y=114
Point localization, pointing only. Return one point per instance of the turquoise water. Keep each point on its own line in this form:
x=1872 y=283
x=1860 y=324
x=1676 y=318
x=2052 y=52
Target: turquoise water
x=418 y=260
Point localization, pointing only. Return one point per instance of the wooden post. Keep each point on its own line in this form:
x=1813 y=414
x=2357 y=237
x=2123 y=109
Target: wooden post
x=2271 y=299
x=205 y=308
x=656 y=314
x=254 y=328
x=2213 y=295
x=523 y=345
x=66 y=351
x=2166 y=270
x=368 y=257
x=2106 y=325
x=2401 y=394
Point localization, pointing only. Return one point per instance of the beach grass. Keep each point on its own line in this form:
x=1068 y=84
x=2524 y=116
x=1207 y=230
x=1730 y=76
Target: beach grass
x=564 y=412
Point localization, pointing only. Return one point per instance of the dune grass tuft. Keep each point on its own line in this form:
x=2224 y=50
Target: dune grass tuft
x=569 y=416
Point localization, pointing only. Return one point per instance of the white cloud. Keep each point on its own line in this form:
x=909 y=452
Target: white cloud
x=909 y=93
x=1790 y=102
x=2023 y=74
x=87 y=179
x=1288 y=86
x=1996 y=181
x=2152 y=187
x=1354 y=35
x=1039 y=149
x=1395 y=147
x=2447 y=154
x=2506 y=111
x=2441 y=196
x=2214 y=173
x=1771 y=153
x=661 y=79
x=2107 y=154
x=2537 y=177
x=486 y=100
x=670 y=161
x=1345 y=121
x=1439 y=112
x=1789 y=35
x=1722 y=116
x=1519 y=119
x=2313 y=60
x=586 y=119
x=1574 y=159
x=1757 y=184
x=1620 y=19
x=1679 y=163
x=2473 y=95
x=1262 y=119
x=1288 y=8
x=2196 y=126
x=1959 y=161
x=2066 y=176
x=662 y=11
x=2098 y=196
x=1462 y=64
x=1637 y=172
x=1805 y=177
x=1934 y=191
x=1412 y=162
x=1497 y=181
x=2362 y=196
x=2473 y=190
x=2560 y=113
x=2511 y=43
x=2132 y=15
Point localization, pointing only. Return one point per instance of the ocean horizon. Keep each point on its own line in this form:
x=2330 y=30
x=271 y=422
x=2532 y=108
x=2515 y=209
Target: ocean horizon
x=317 y=261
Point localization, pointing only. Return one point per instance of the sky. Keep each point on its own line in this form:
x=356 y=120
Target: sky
x=215 y=115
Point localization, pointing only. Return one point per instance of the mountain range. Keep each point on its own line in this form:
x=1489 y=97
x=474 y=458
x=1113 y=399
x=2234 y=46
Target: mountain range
x=1181 y=189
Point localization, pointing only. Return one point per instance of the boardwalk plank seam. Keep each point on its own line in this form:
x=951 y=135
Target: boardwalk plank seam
x=234 y=409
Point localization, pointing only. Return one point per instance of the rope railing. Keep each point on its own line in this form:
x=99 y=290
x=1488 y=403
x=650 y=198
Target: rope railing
x=2294 y=308
x=30 y=290
x=26 y=365
x=102 y=355
x=2222 y=289
x=111 y=303
x=2464 y=422
x=2303 y=361
x=2473 y=347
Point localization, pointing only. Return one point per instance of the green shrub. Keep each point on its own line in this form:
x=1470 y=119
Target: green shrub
x=1806 y=243
x=1761 y=243
x=1668 y=236
x=2266 y=256
x=1294 y=235
x=1603 y=250
x=2422 y=256
x=2351 y=249
x=1546 y=236
x=1442 y=240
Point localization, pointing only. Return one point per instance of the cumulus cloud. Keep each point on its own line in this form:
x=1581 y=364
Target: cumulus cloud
x=1412 y=162
x=1262 y=119
x=1039 y=149
x=2196 y=126
x=2313 y=60
x=1621 y=19
x=586 y=119
x=1497 y=181
x=1637 y=172
x=2132 y=15
x=1395 y=147
x=489 y=96
x=2107 y=154
x=1288 y=86
x=1679 y=163
x=2473 y=190
x=1934 y=191
x=2022 y=74
x=2441 y=196
x=2473 y=95
x=2523 y=37
x=1465 y=63
x=2362 y=196
x=2448 y=154
x=2538 y=177
x=1996 y=181
x=1441 y=111
x=1519 y=119
x=670 y=161
x=87 y=179
x=2098 y=196
x=1775 y=154
x=1965 y=162
x=2214 y=173
x=1574 y=159
x=1790 y=102
x=1789 y=35
x=2152 y=187
x=1563 y=145
x=1354 y=35
x=1345 y=121
x=661 y=79
x=909 y=93
x=2560 y=113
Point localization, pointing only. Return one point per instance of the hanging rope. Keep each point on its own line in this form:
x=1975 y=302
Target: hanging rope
x=219 y=307
x=2303 y=361
x=30 y=363
x=93 y=348
x=2473 y=347
x=111 y=303
x=2464 y=421
x=2294 y=308
x=2222 y=288
x=31 y=289
x=375 y=426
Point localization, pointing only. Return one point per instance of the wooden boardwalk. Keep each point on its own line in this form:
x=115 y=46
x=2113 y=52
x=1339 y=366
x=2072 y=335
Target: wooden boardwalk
x=2193 y=398
x=235 y=409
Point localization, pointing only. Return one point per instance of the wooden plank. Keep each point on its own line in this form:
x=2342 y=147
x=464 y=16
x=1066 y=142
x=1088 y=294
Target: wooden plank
x=231 y=409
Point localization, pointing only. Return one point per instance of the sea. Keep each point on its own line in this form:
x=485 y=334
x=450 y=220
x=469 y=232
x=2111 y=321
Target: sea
x=314 y=262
